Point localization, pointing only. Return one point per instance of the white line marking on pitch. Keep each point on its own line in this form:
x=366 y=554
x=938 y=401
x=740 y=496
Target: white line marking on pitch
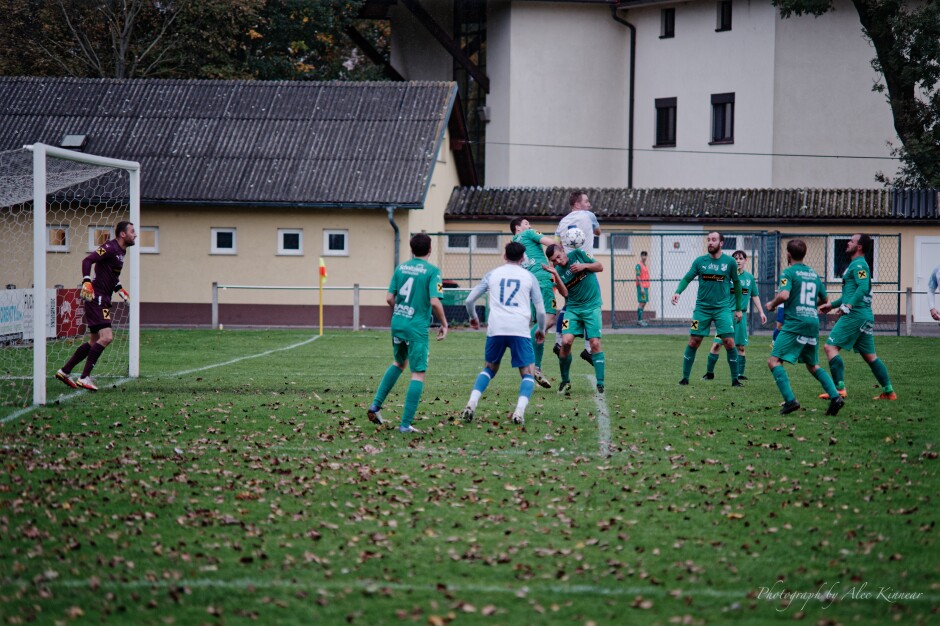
x=121 y=381
x=603 y=420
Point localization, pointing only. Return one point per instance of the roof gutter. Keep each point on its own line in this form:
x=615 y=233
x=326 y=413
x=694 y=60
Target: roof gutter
x=287 y=205
x=631 y=113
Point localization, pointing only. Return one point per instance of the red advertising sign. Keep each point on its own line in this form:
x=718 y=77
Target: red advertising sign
x=69 y=319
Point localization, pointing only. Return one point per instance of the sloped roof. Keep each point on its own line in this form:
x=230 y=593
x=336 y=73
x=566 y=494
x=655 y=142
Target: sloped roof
x=245 y=142
x=700 y=205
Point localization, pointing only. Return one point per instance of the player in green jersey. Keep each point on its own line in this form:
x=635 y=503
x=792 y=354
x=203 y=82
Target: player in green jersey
x=800 y=291
x=750 y=294
x=533 y=261
x=717 y=278
x=855 y=328
x=576 y=280
x=415 y=291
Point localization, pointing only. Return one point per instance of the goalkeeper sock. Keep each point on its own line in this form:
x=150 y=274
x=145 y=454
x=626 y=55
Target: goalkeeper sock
x=732 y=355
x=881 y=373
x=710 y=363
x=826 y=381
x=388 y=381
x=564 y=364
x=538 y=347
x=412 y=399
x=599 y=365
x=93 y=355
x=837 y=367
x=687 y=361
x=483 y=380
x=77 y=358
x=783 y=383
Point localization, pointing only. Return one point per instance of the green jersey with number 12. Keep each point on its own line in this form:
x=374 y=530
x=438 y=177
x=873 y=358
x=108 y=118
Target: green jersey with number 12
x=806 y=288
x=414 y=283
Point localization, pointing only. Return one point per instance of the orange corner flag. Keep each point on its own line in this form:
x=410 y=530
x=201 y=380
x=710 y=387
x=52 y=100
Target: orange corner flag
x=322 y=271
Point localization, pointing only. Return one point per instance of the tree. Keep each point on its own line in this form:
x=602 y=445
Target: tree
x=267 y=39
x=906 y=38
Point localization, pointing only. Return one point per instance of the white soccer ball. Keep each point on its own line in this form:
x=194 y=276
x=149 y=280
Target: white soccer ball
x=573 y=238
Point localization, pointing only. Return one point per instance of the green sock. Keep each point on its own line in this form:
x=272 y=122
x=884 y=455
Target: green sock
x=710 y=363
x=564 y=363
x=639 y=315
x=598 y=359
x=412 y=399
x=688 y=360
x=837 y=367
x=741 y=361
x=388 y=381
x=538 y=347
x=826 y=380
x=881 y=373
x=732 y=355
x=783 y=383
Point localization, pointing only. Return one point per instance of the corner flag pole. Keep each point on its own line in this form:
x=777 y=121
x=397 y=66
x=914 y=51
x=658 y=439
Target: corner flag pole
x=322 y=280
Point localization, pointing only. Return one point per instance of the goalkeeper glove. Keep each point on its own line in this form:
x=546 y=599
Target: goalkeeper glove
x=123 y=293
x=88 y=291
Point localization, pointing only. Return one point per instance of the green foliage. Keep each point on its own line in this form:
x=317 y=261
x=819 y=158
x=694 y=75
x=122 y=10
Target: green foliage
x=221 y=488
x=906 y=38
x=216 y=39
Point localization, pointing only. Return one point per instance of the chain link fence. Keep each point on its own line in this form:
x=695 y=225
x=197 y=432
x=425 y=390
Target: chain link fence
x=465 y=256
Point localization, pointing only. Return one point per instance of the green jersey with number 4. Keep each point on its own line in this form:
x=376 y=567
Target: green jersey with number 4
x=799 y=309
x=414 y=283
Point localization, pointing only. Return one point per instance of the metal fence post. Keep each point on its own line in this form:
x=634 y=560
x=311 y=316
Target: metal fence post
x=356 y=306
x=909 y=306
x=215 y=306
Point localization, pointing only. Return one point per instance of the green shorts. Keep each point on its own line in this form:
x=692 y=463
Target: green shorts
x=414 y=352
x=702 y=322
x=587 y=324
x=740 y=332
x=794 y=348
x=642 y=295
x=548 y=298
x=853 y=332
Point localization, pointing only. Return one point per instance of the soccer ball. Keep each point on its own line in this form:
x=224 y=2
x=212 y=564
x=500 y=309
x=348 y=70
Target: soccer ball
x=573 y=238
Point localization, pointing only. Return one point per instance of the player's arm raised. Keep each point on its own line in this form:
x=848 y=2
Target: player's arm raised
x=559 y=285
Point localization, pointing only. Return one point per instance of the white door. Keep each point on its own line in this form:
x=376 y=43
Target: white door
x=681 y=244
x=926 y=257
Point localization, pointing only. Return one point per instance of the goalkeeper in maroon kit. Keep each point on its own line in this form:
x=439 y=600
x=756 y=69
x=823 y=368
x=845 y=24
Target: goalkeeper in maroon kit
x=108 y=260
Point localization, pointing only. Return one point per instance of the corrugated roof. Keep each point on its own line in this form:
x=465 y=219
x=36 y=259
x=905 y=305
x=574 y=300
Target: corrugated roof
x=692 y=204
x=303 y=143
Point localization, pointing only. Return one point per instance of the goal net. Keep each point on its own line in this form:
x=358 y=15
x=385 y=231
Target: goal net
x=56 y=207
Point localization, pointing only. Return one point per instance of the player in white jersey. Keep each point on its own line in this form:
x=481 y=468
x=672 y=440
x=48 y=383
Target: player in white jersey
x=933 y=284
x=581 y=217
x=512 y=292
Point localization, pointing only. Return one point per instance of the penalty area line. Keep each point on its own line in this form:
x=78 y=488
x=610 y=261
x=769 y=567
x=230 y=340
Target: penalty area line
x=121 y=381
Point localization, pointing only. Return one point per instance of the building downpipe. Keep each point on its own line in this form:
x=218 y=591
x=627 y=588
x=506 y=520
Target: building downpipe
x=630 y=114
x=390 y=209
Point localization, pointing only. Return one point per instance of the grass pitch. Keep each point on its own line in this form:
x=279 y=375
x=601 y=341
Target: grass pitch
x=238 y=481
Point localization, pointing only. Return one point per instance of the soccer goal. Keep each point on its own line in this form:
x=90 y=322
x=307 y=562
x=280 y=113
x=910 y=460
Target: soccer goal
x=56 y=207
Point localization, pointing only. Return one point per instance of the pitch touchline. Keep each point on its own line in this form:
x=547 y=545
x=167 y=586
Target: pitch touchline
x=603 y=421
x=119 y=382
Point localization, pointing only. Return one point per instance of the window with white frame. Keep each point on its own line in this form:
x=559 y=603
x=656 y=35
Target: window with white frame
x=619 y=243
x=98 y=236
x=290 y=241
x=57 y=238
x=485 y=243
x=724 y=16
x=335 y=242
x=747 y=243
x=224 y=241
x=839 y=260
x=148 y=239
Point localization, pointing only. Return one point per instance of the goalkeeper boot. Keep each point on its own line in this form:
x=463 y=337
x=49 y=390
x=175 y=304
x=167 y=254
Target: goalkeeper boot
x=86 y=383
x=65 y=378
x=375 y=416
x=467 y=414
x=541 y=380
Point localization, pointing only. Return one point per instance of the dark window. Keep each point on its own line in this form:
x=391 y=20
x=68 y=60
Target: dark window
x=336 y=242
x=667 y=23
x=665 y=122
x=225 y=239
x=724 y=15
x=723 y=118
x=458 y=241
x=292 y=241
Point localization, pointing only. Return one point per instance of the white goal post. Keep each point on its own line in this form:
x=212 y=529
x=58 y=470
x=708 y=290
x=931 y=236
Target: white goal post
x=41 y=154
